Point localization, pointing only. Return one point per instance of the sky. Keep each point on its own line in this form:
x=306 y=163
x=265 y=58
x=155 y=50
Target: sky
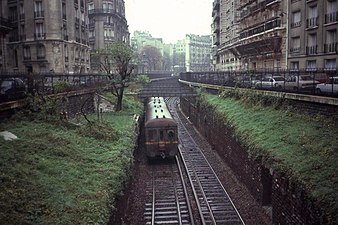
x=169 y=19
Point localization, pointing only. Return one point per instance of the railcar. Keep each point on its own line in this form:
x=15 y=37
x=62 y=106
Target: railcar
x=161 y=138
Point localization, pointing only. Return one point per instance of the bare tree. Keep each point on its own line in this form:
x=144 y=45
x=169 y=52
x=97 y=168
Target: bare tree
x=117 y=61
x=152 y=56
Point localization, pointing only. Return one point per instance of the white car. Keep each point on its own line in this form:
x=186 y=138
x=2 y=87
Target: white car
x=300 y=82
x=271 y=82
x=330 y=87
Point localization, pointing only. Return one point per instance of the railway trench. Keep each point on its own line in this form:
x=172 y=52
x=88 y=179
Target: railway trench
x=132 y=205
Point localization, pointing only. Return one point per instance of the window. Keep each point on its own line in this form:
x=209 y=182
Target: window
x=295 y=44
x=295 y=65
x=41 y=51
x=311 y=48
x=331 y=11
x=311 y=65
x=151 y=135
x=39 y=30
x=38 y=10
x=90 y=6
x=296 y=19
x=26 y=53
x=312 y=20
x=330 y=64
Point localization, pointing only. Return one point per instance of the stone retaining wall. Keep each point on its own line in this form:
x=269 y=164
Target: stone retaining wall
x=288 y=200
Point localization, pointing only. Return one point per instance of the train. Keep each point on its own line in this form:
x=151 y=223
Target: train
x=161 y=133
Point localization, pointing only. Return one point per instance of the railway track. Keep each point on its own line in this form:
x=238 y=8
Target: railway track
x=167 y=196
x=213 y=202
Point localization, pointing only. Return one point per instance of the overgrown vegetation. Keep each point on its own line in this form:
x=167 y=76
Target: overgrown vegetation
x=303 y=147
x=57 y=173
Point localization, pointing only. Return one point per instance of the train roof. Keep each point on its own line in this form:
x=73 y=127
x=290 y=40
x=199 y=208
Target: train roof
x=157 y=113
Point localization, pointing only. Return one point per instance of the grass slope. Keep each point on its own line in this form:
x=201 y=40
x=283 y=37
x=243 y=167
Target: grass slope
x=57 y=174
x=301 y=146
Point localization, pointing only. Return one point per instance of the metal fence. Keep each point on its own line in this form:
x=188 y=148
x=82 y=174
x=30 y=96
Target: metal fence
x=317 y=82
x=18 y=85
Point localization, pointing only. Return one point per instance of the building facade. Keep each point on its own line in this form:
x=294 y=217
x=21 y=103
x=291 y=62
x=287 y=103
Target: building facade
x=5 y=28
x=313 y=34
x=107 y=23
x=225 y=29
x=48 y=36
x=197 y=52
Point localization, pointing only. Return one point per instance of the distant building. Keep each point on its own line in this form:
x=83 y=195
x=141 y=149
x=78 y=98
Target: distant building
x=197 y=52
x=144 y=38
x=179 y=56
x=48 y=36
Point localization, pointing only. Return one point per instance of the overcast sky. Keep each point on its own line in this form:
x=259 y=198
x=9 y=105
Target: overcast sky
x=169 y=19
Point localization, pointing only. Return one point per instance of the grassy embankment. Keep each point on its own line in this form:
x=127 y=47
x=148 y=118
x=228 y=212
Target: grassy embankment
x=60 y=174
x=301 y=146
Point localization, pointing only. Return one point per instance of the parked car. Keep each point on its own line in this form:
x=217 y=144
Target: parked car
x=330 y=87
x=300 y=82
x=271 y=82
x=11 y=89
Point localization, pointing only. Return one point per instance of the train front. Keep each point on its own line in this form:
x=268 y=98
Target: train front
x=160 y=130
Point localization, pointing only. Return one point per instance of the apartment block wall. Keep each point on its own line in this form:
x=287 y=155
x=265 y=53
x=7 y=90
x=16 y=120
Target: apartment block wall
x=49 y=36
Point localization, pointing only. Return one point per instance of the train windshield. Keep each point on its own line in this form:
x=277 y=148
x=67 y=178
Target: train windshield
x=171 y=134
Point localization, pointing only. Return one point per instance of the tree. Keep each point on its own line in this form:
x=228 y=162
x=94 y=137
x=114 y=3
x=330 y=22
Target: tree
x=117 y=61
x=152 y=56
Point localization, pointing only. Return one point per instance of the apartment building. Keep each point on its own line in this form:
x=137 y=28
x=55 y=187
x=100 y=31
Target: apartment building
x=225 y=28
x=252 y=34
x=197 y=52
x=107 y=23
x=48 y=36
x=5 y=28
x=313 y=34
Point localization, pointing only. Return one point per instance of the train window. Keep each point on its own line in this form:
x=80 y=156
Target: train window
x=152 y=135
x=161 y=135
x=171 y=134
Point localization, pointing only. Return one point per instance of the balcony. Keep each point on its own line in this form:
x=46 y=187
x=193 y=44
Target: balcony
x=5 y=25
x=261 y=28
x=102 y=11
x=27 y=58
x=311 y=50
x=295 y=50
x=331 y=17
x=296 y=24
x=13 y=38
x=331 y=48
x=312 y=22
x=39 y=14
x=65 y=37
x=39 y=57
x=39 y=36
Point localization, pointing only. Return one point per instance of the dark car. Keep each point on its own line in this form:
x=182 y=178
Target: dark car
x=11 y=89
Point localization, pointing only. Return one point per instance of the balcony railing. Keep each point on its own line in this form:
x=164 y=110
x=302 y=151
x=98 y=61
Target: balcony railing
x=311 y=50
x=13 y=38
x=39 y=14
x=262 y=28
x=40 y=56
x=22 y=37
x=66 y=59
x=312 y=22
x=22 y=16
x=65 y=37
x=331 y=17
x=94 y=11
x=27 y=57
x=295 y=49
x=296 y=24
x=331 y=48
x=39 y=36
